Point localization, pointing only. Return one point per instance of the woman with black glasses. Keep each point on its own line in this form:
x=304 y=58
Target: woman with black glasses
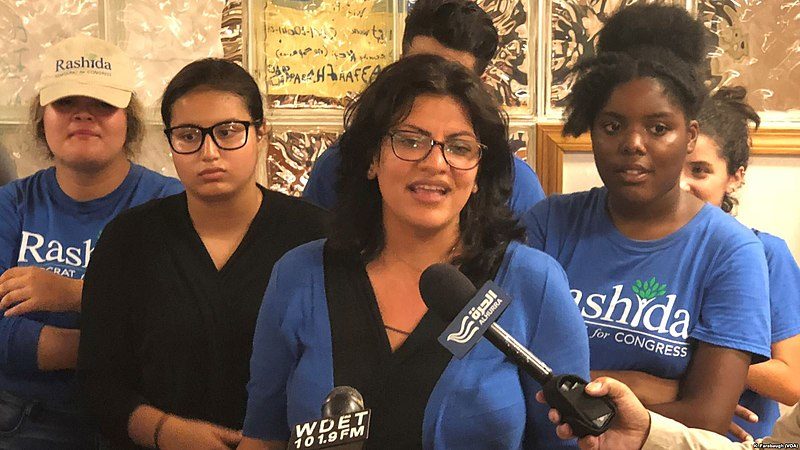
x=173 y=290
x=425 y=178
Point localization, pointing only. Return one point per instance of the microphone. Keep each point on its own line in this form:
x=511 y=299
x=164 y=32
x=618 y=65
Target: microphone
x=344 y=424
x=472 y=313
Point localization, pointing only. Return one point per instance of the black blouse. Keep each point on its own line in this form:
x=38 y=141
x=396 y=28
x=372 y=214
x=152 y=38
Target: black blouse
x=160 y=325
x=395 y=385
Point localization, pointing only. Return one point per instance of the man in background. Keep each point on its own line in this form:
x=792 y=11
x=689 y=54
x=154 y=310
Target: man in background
x=459 y=31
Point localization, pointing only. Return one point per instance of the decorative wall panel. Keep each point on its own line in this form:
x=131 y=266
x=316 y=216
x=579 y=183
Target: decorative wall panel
x=519 y=141
x=231 y=33
x=290 y=156
x=757 y=45
x=509 y=72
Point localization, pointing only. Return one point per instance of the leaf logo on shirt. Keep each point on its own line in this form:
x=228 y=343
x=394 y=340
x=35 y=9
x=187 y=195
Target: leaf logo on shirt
x=645 y=293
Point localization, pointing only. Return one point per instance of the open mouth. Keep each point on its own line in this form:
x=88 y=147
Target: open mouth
x=427 y=188
x=633 y=174
x=428 y=193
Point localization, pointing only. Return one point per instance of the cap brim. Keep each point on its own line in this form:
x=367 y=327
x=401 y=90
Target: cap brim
x=113 y=96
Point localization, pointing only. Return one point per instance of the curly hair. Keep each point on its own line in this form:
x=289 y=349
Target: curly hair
x=458 y=24
x=486 y=223
x=725 y=118
x=632 y=45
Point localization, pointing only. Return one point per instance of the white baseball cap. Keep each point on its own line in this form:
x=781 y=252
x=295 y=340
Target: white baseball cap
x=87 y=66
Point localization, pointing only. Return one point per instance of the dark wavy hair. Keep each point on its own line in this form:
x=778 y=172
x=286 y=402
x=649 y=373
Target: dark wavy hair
x=458 y=24
x=725 y=118
x=216 y=74
x=643 y=40
x=486 y=223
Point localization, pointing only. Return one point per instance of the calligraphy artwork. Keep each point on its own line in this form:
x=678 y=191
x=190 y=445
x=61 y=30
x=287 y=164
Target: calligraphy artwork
x=326 y=51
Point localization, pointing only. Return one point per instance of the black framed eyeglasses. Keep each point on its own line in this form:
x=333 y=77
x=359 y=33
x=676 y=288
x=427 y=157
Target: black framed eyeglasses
x=461 y=154
x=229 y=135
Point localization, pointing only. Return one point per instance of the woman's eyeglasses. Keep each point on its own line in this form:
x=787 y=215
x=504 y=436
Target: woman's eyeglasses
x=231 y=135
x=461 y=154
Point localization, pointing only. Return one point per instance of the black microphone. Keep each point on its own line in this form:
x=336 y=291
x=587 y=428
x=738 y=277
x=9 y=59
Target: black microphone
x=342 y=400
x=344 y=424
x=452 y=296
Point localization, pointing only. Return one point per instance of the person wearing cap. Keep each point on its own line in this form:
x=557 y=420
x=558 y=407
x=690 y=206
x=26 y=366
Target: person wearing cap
x=87 y=119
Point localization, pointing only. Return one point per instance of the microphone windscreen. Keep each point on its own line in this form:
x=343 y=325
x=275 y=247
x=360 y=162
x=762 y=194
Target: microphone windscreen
x=445 y=290
x=342 y=400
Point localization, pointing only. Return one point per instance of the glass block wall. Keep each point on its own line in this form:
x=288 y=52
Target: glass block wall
x=312 y=57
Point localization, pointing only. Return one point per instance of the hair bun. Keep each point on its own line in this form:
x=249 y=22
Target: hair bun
x=652 y=25
x=735 y=94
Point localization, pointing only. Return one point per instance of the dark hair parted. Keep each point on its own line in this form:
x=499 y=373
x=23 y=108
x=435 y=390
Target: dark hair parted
x=725 y=118
x=644 y=40
x=458 y=24
x=213 y=74
x=486 y=223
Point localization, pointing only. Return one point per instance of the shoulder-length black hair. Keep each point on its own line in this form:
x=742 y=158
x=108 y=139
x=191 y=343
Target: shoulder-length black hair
x=486 y=223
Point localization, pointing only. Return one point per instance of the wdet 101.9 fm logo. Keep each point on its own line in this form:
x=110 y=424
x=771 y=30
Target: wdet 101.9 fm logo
x=471 y=322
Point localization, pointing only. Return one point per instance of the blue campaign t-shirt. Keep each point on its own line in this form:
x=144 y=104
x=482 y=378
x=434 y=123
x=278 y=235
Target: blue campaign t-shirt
x=42 y=226
x=321 y=187
x=784 y=298
x=643 y=302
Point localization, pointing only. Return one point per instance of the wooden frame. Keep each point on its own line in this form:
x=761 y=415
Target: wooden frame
x=551 y=147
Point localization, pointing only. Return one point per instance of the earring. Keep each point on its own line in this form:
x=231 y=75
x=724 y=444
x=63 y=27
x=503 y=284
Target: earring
x=475 y=188
x=371 y=175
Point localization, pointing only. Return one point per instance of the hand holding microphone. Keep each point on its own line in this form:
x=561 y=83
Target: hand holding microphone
x=472 y=314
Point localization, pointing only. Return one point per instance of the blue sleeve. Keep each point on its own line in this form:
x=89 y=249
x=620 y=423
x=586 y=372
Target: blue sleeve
x=172 y=186
x=526 y=191
x=735 y=309
x=10 y=227
x=784 y=288
x=535 y=223
x=275 y=354
x=321 y=186
x=19 y=336
x=560 y=340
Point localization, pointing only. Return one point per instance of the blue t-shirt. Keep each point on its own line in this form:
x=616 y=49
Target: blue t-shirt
x=41 y=226
x=784 y=299
x=321 y=188
x=481 y=401
x=645 y=301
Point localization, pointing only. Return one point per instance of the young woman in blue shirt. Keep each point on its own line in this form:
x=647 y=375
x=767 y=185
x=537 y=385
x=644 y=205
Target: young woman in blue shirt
x=669 y=288
x=89 y=125
x=713 y=172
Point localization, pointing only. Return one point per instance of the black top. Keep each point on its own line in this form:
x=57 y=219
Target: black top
x=395 y=385
x=161 y=326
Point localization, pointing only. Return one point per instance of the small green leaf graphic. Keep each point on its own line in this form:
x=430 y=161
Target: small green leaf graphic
x=650 y=289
